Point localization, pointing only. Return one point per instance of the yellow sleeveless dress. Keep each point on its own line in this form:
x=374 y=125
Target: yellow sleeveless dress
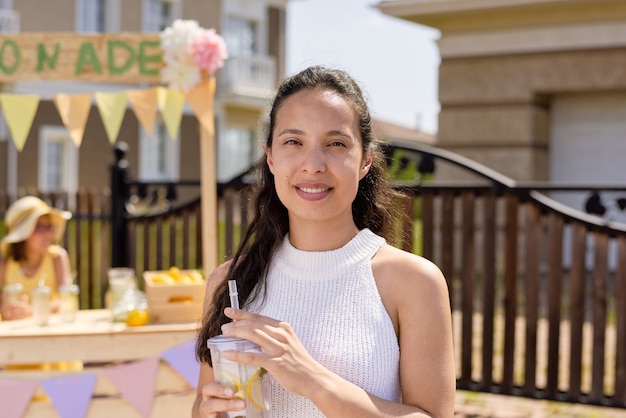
x=47 y=276
x=45 y=273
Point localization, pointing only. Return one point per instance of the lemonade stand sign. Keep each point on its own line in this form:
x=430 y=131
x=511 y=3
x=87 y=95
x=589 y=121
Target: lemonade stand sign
x=180 y=64
x=116 y=58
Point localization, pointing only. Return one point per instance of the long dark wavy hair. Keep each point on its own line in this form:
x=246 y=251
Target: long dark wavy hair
x=372 y=207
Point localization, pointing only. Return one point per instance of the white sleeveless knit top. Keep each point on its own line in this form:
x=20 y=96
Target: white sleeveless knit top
x=332 y=302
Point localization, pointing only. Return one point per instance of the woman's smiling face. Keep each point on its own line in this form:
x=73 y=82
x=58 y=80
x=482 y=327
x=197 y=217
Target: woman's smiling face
x=316 y=155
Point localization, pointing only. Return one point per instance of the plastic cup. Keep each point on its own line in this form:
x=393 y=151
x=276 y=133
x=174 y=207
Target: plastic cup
x=40 y=303
x=68 y=302
x=12 y=292
x=250 y=383
x=121 y=279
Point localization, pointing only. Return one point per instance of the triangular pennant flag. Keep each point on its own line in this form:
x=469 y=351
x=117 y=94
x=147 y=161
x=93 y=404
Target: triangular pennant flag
x=183 y=359
x=144 y=104
x=15 y=395
x=71 y=395
x=171 y=104
x=200 y=99
x=74 y=111
x=136 y=382
x=112 y=107
x=19 y=113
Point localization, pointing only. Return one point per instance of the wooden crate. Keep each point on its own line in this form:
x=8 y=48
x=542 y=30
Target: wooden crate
x=173 y=303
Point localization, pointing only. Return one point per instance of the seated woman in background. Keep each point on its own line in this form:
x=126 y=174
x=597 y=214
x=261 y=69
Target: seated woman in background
x=30 y=254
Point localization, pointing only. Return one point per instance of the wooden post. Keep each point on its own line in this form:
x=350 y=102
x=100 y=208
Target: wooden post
x=208 y=184
x=208 y=193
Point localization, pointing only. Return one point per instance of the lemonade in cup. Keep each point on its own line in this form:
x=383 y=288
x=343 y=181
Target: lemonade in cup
x=250 y=383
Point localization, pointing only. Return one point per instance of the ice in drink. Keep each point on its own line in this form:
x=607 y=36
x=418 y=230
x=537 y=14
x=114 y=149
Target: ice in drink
x=250 y=383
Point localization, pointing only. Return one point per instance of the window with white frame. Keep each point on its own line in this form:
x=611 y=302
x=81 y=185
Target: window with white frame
x=158 y=155
x=235 y=152
x=97 y=15
x=58 y=160
x=159 y=14
x=241 y=36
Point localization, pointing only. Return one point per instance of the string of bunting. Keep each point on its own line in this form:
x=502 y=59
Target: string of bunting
x=71 y=394
x=191 y=55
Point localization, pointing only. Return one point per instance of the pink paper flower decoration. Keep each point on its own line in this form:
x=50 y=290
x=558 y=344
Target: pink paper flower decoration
x=189 y=53
x=209 y=51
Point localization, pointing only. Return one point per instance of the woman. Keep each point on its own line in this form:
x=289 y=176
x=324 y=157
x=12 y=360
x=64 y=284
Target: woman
x=342 y=318
x=30 y=255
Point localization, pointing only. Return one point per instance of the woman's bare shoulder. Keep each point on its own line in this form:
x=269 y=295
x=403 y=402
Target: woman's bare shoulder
x=406 y=274
x=395 y=261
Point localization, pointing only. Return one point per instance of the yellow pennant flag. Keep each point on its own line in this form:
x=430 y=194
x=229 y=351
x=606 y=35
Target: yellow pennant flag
x=112 y=107
x=19 y=112
x=144 y=105
x=200 y=99
x=171 y=104
x=74 y=110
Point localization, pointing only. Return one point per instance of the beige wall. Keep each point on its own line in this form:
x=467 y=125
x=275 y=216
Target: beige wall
x=44 y=16
x=277 y=39
x=503 y=63
x=496 y=109
x=130 y=19
x=206 y=12
x=243 y=117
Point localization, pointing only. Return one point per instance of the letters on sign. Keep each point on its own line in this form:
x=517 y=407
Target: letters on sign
x=119 y=58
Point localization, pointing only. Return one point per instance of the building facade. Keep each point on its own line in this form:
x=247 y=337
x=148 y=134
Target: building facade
x=254 y=32
x=535 y=89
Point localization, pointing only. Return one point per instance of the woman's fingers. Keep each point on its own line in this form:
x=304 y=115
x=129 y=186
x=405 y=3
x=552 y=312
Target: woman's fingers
x=216 y=390
x=239 y=315
x=218 y=398
x=247 y=324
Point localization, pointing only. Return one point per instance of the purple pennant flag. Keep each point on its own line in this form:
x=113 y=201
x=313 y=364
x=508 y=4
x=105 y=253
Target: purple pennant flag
x=71 y=395
x=183 y=359
x=136 y=382
x=15 y=395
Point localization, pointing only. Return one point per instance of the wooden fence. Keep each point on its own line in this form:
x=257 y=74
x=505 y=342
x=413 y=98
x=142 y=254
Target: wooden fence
x=538 y=290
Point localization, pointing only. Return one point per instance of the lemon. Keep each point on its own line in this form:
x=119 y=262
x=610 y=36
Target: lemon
x=230 y=379
x=174 y=272
x=163 y=279
x=183 y=278
x=254 y=389
x=196 y=276
x=137 y=317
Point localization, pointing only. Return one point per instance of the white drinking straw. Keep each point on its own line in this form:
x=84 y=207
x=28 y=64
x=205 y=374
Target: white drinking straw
x=232 y=292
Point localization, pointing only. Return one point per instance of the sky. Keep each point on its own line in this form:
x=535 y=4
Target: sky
x=394 y=61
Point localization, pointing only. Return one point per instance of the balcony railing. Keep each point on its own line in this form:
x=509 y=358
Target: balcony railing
x=251 y=76
x=9 y=21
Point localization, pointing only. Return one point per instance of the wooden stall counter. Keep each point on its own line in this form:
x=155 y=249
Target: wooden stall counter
x=102 y=346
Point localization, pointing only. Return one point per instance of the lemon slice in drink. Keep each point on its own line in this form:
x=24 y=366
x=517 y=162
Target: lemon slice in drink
x=254 y=389
x=230 y=379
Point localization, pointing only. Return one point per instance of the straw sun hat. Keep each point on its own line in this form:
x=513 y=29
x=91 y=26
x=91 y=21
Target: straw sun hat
x=21 y=219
